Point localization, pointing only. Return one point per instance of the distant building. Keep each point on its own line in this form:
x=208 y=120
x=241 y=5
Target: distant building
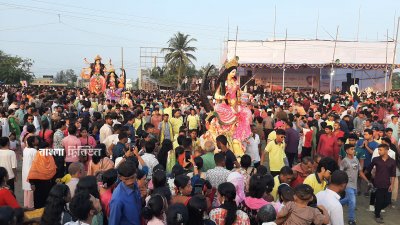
x=47 y=80
x=311 y=64
x=129 y=84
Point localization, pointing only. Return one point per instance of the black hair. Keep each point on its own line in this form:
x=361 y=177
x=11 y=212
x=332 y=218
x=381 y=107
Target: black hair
x=181 y=181
x=150 y=146
x=285 y=192
x=280 y=132
x=245 y=161
x=219 y=158
x=257 y=186
x=8 y=215
x=187 y=143
x=328 y=164
x=228 y=191
x=109 y=177
x=159 y=178
x=339 y=177
x=30 y=141
x=55 y=205
x=370 y=132
x=103 y=153
x=4 y=141
x=353 y=136
x=154 y=208
x=304 y=192
x=197 y=206
x=286 y=170
x=199 y=162
x=386 y=147
x=177 y=170
x=59 y=124
x=177 y=214
x=269 y=183
x=3 y=175
x=180 y=139
x=122 y=136
x=329 y=127
x=89 y=184
x=72 y=129
x=222 y=139
x=127 y=169
x=348 y=146
x=148 y=126
x=81 y=205
x=262 y=170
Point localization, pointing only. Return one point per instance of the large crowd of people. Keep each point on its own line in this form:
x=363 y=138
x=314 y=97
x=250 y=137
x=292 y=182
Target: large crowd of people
x=86 y=159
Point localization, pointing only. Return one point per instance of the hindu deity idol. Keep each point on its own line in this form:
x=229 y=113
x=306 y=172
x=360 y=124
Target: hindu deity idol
x=97 y=82
x=112 y=80
x=126 y=100
x=122 y=80
x=233 y=115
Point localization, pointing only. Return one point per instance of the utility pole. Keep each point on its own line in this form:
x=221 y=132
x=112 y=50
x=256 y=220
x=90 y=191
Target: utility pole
x=275 y=23
x=333 y=60
x=386 y=63
x=394 y=55
x=284 y=65
x=122 y=57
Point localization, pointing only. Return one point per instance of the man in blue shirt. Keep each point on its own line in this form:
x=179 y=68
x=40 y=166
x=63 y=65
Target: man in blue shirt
x=130 y=119
x=120 y=148
x=368 y=144
x=126 y=202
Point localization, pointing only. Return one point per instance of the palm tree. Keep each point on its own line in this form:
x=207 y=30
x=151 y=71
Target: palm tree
x=179 y=53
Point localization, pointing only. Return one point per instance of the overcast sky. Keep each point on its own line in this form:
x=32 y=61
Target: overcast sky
x=57 y=35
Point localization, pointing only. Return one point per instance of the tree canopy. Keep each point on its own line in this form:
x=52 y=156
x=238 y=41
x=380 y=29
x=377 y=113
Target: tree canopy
x=64 y=77
x=14 y=69
x=179 y=54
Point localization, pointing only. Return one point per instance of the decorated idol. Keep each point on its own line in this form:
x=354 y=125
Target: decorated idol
x=96 y=75
x=231 y=116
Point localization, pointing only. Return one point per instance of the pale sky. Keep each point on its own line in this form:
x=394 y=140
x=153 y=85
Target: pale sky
x=57 y=35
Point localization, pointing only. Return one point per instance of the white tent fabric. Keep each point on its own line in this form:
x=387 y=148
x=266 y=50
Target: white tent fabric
x=309 y=52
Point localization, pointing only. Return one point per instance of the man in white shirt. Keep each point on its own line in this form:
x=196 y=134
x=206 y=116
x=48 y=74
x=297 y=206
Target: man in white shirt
x=330 y=198
x=253 y=146
x=149 y=158
x=106 y=130
x=113 y=139
x=8 y=160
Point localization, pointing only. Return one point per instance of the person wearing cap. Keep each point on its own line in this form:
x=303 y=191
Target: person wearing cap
x=317 y=117
x=275 y=151
x=272 y=135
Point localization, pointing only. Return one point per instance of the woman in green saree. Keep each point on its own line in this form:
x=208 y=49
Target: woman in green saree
x=14 y=123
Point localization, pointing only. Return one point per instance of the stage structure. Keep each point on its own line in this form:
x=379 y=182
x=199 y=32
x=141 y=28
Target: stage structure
x=313 y=64
x=150 y=57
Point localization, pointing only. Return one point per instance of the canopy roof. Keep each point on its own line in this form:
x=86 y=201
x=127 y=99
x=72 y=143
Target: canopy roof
x=311 y=53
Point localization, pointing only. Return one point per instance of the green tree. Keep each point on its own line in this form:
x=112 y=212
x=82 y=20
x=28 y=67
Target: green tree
x=14 y=69
x=65 y=77
x=396 y=81
x=179 y=54
x=213 y=72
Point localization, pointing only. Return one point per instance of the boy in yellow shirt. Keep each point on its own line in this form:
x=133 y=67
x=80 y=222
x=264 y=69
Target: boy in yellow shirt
x=317 y=180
